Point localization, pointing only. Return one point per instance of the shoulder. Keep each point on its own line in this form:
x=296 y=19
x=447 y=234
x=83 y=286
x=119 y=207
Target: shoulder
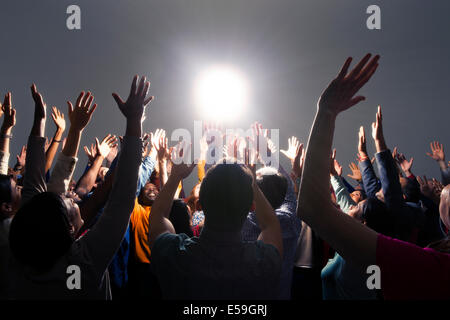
x=265 y=255
x=167 y=242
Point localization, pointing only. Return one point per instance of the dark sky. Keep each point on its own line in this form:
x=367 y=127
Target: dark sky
x=288 y=49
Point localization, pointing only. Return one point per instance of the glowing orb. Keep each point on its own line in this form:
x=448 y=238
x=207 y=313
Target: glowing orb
x=221 y=93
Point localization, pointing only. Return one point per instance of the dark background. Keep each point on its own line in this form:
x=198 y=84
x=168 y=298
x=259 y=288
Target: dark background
x=288 y=49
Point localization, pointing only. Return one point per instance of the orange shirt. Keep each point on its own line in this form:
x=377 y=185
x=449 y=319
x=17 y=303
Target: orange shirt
x=139 y=231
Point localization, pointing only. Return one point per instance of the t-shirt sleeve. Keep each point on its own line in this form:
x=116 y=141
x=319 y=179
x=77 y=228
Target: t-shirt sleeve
x=164 y=248
x=410 y=272
x=269 y=258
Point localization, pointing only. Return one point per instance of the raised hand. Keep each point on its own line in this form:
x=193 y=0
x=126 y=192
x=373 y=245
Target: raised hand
x=46 y=144
x=377 y=132
x=104 y=148
x=377 y=126
x=299 y=159
x=10 y=113
x=40 y=106
x=58 y=119
x=90 y=152
x=162 y=148
x=404 y=164
x=22 y=156
x=339 y=95
x=437 y=151
x=356 y=174
x=335 y=167
x=427 y=188
x=134 y=107
x=180 y=167
x=291 y=152
x=155 y=137
x=81 y=114
x=362 y=149
x=112 y=155
x=203 y=147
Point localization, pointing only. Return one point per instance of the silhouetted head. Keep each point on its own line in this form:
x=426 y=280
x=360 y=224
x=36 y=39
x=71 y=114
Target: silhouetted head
x=444 y=206
x=226 y=196
x=411 y=191
x=273 y=185
x=373 y=213
x=43 y=230
x=10 y=196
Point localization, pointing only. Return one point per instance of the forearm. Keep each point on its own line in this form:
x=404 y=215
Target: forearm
x=72 y=143
x=87 y=181
x=445 y=175
x=5 y=136
x=62 y=174
x=38 y=129
x=369 y=179
x=34 y=180
x=163 y=203
x=316 y=167
x=349 y=237
x=201 y=169
x=52 y=149
x=145 y=171
x=343 y=198
x=96 y=201
x=265 y=214
x=163 y=172
x=380 y=144
x=390 y=184
x=105 y=238
x=158 y=220
x=442 y=165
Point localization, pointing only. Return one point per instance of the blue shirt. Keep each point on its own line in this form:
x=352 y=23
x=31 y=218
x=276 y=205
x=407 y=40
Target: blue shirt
x=217 y=265
x=290 y=229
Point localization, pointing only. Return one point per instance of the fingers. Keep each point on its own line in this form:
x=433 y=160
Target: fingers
x=69 y=107
x=92 y=109
x=79 y=99
x=133 y=87
x=357 y=69
x=344 y=68
x=140 y=89
x=148 y=100
x=118 y=99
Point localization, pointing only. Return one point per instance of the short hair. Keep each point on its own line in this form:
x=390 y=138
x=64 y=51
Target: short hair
x=377 y=217
x=40 y=231
x=411 y=190
x=273 y=185
x=5 y=188
x=226 y=196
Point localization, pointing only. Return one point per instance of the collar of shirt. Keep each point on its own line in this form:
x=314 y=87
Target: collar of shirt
x=220 y=236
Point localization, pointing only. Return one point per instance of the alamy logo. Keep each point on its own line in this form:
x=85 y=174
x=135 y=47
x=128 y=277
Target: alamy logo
x=74 y=279
x=374 y=280
x=73 y=22
x=374 y=20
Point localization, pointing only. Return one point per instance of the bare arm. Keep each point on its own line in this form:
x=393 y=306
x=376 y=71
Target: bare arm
x=159 y=222
x=314 y=204
x=9 y=122
x=79 y=116
x=88 y=179
x=104 y=239
x=58 y=119
x=34 y=181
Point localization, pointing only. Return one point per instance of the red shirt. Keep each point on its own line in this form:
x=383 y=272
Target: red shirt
x=409 y=272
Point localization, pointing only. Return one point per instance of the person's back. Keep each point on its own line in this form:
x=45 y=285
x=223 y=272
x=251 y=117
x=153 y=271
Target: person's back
x=217 y=265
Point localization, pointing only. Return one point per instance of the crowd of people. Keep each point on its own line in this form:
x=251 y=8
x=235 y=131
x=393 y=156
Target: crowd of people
x=129 y=229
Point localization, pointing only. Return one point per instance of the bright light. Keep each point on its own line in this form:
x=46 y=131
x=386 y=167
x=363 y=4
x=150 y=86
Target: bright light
x=221 y=93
